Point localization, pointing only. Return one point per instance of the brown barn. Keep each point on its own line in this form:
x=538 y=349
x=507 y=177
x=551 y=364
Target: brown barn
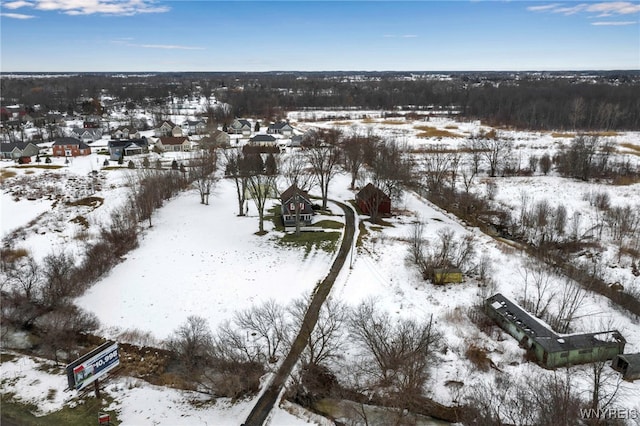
x=371 y=198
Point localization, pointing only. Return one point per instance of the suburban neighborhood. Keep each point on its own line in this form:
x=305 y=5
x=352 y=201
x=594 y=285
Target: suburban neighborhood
x=314 y=265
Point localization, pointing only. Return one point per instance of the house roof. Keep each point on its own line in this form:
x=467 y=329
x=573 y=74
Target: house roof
x=370 y=190
x=288 y=193
x=173 y=140
x=123 y=143
x=279 y=126
x=539 y=331
x=70 y=141
x=242 y=122
x=263 y=138
x=8 y=147
x=81 y=130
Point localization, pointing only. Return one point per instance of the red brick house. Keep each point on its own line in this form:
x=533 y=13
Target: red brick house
x=373 y=201
x=70 y=147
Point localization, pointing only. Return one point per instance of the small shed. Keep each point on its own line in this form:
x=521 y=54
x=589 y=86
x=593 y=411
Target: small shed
x=628 y=365
x=447 y=275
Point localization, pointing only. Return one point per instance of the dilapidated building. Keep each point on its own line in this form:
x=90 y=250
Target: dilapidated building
x=628 y=365
x=551 y=349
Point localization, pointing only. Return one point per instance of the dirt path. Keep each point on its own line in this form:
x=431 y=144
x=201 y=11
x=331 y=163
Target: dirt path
x=266 y=401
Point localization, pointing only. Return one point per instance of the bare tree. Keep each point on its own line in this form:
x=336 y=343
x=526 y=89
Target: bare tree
x=568 y=301
x=388 y=170
x=325 y=340
x=267 y=325
x=192 y=344
x=438 y=167
x=538 y=300
x=354 y=148
x=296 y=171
x=494 y=148
x=398 y=352
x=60 y=329
x=202 y=167
x=59 y=280
x=25 y=276
x=234 y=170
x=545 y=163
x=324 y=158
x=260 y=185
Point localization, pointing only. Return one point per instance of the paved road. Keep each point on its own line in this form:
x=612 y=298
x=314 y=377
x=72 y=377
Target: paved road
x=266 y=401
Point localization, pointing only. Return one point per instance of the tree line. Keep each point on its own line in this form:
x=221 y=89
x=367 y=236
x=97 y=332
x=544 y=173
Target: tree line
x=606 y=101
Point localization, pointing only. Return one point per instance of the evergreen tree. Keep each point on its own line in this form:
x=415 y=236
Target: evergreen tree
x=271 y=167
x=131 y=165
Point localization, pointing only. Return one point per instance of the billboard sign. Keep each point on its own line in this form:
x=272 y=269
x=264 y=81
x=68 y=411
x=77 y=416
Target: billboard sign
x=90 y=367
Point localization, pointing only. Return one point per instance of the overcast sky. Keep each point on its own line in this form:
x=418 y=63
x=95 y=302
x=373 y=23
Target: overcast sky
x=210 y=35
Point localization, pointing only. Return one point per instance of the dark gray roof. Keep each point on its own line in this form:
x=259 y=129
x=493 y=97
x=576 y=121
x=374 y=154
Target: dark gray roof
x=543 y=334
x=121 y=143
x=10 y=146
x=278 y=126
x=263 y=138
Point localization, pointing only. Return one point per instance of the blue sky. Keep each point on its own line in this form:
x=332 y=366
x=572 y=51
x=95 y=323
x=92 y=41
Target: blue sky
x=210 y=35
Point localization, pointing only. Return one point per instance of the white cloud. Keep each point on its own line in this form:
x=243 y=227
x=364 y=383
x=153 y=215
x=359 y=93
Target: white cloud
x=17 y=15
x=90 y=7
x=168 y=46
x=126 y=41
x=543 y=7
x=614 y=23
x=17 y=4
x=600 y=9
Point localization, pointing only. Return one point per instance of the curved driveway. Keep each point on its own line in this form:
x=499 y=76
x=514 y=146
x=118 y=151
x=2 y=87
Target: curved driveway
x=266 y=401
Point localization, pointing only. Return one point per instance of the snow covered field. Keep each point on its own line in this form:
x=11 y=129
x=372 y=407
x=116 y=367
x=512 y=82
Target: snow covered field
x=206 y=261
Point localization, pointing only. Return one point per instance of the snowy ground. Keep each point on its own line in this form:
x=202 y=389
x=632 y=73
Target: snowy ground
x=205 y=260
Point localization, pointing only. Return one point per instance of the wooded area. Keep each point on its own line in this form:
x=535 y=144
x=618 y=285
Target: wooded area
x=544 y=101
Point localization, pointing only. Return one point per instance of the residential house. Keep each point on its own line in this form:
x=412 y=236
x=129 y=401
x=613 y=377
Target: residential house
x=552 y=350
x=92 y=122
x=167 y=129
x=242 y=127
x=296 y=141
x=263 y=140
x=194 y=127
x=292 y=199
x=372 y=199
x=70 y=147
x=217 y=138
x=628 y=365
x=124 y=132
x=86 y=135
x=282 y=128
x=127 y=147
x=16 y=150
x=171 y=143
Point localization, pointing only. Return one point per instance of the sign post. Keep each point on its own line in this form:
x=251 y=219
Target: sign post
x=90 y=367
x=104 y=419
